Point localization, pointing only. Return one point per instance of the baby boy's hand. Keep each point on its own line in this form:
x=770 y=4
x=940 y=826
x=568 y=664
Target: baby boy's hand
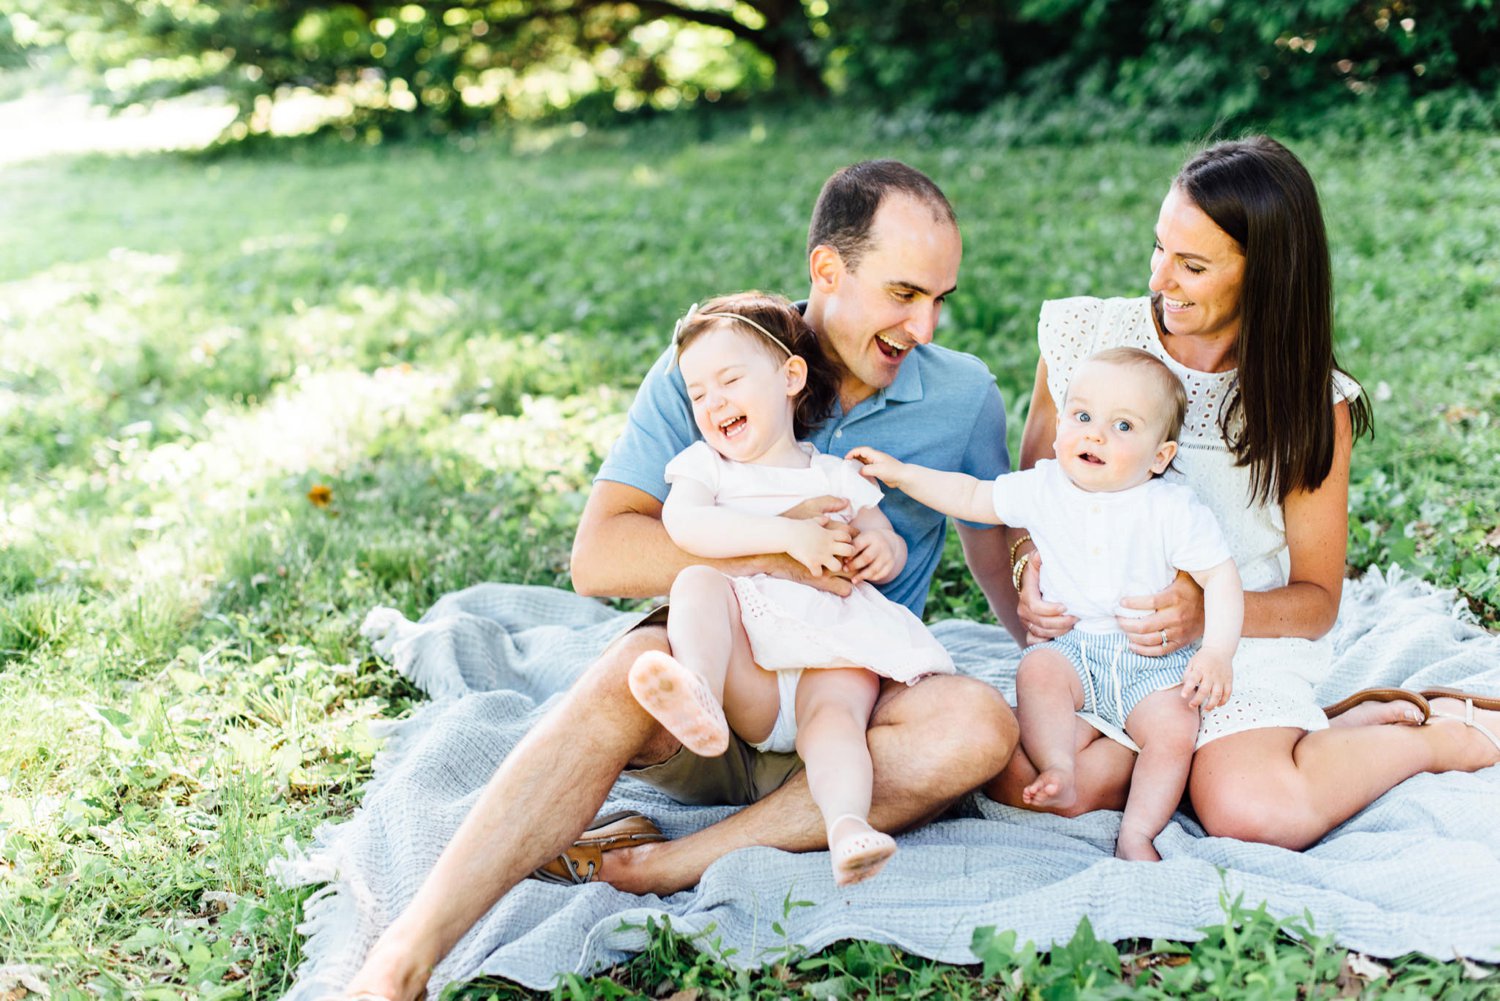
x=878 y=465
x=1208 y=680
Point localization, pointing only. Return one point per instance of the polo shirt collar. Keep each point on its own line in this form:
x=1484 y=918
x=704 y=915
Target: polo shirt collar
x=907 y=388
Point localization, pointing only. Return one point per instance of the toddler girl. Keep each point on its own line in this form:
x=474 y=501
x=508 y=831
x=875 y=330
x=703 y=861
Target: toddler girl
x=789 y=665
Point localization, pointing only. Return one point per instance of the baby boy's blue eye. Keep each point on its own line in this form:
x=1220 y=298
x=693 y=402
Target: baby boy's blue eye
x=1083 y=417
x=1122 y=425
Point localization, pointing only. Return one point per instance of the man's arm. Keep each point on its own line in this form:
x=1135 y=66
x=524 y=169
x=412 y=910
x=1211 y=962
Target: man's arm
x=622 y=550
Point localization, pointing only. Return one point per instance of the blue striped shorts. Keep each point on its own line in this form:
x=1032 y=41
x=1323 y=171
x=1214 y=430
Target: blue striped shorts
x=1114 y=677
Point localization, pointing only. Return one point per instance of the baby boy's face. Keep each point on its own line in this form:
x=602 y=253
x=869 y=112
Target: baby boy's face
x=1111 y=430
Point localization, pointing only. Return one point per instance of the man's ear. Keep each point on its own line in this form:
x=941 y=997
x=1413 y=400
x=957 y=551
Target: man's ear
x=795 y=369
x=826 y=266
x=1165 y=453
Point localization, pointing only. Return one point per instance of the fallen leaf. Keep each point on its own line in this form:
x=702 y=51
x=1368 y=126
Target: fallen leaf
x=1493 y=539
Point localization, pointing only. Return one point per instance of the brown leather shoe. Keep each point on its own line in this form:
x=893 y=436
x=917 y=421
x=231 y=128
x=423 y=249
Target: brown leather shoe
x=581 y=862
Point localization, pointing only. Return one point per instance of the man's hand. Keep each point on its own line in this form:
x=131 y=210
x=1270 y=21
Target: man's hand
x=878 y=465
x=1175 y=619
x=874 y=558
x=819 y=545
x=1208 y=680
x=816 y=507
x=1044 y=620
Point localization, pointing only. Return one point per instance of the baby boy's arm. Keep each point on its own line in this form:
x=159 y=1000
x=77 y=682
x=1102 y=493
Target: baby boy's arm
x=957 y=495
x=1209 y=675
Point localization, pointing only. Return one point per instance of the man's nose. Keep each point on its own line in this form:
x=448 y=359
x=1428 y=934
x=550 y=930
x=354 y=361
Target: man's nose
x=921 y=323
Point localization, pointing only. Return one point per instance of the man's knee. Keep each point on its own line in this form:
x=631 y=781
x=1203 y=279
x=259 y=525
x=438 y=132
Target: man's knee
x=957 y=720
x=601 y=699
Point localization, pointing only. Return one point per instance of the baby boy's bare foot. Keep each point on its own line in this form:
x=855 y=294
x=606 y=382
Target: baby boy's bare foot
x=681 y=701
x=1052 y=788
x=1133 y=846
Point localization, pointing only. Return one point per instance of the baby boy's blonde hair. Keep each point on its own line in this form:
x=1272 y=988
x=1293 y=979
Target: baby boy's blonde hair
x=1169 y=393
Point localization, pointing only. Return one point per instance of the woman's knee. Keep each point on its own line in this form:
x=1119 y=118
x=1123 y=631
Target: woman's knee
x=1265 y=815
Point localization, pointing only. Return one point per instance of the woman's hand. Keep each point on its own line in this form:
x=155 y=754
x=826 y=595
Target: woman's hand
x=1044 y=620
x=1174 y=619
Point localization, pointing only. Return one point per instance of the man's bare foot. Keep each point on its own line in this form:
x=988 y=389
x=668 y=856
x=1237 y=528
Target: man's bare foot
x=1052 y=787
x=388 y=974
x=641 y=869
x=681 y=701
x=1378 y=713
x=1134 y=846
x=1480 y=749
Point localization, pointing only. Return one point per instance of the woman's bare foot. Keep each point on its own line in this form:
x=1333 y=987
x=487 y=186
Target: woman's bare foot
x=1481 y=744
x=681 y=701
x=859 y=852
x=1379 y=713
x=1053 y=787
x=1135 y=846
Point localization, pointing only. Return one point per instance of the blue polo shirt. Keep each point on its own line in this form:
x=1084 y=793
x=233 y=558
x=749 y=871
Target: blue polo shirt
x=942 y=411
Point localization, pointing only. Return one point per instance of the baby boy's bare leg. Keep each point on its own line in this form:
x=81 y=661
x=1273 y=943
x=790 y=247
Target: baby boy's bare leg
x=1048 y=693
x=1166 y=728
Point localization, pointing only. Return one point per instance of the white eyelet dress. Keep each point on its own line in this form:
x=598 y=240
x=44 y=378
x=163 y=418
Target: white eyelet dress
x=1273 y=678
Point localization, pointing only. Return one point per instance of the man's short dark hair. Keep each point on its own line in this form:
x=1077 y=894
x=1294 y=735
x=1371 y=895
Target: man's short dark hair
x=850 y=198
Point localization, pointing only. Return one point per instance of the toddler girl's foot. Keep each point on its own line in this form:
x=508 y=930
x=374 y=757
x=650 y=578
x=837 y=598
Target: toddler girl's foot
x=681 y=701
x=860 y=852
x=1053 y=787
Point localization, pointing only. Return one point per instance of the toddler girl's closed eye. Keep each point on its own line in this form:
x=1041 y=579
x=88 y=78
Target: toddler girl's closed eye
x=693 y=312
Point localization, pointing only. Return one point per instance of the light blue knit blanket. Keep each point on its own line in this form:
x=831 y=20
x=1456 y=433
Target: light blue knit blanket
x=1419 y=870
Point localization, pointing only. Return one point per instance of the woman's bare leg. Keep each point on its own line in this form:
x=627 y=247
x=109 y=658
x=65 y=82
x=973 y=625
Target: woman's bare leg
x=1288 y=787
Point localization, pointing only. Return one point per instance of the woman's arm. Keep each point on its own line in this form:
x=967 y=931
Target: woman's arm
x=1042 y=620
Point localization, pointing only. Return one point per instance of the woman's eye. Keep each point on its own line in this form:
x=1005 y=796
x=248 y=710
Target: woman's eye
x=1195 y=269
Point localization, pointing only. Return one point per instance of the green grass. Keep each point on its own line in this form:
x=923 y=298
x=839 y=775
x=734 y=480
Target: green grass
x=437 y=344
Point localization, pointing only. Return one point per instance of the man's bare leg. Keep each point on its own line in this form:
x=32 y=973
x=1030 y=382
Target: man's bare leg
x=929 y=744
x=594 y=732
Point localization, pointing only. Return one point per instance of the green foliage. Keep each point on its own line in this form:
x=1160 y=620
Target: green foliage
x=243 y=399
x=392 y=67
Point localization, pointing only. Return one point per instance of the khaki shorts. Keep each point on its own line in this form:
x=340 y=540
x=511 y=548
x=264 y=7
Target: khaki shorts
x=741 y=775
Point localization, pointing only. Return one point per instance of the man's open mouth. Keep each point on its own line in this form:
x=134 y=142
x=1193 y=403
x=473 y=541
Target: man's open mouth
x=890 y=348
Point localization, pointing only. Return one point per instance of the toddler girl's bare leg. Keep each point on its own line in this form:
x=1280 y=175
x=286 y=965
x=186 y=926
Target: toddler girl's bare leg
x=684 y=690
x=1166 y=728
x=1048 y=693
x=710 y=673
x=833 y=711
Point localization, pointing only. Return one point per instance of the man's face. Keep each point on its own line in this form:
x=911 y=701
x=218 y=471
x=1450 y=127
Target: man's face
x=872 y=316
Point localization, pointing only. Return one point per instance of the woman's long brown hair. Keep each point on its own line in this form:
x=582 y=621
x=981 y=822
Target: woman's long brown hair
x=1258 y=193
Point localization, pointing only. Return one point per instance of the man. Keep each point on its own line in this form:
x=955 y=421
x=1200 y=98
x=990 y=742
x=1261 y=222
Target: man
x=883 y=254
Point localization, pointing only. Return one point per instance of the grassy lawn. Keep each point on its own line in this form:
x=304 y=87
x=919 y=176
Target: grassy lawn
x=244 y=399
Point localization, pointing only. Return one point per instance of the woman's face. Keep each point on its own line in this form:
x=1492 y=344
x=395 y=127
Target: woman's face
x=1198 y=270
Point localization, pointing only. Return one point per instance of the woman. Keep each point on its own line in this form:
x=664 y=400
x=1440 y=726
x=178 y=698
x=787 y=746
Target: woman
x=1241 y=310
